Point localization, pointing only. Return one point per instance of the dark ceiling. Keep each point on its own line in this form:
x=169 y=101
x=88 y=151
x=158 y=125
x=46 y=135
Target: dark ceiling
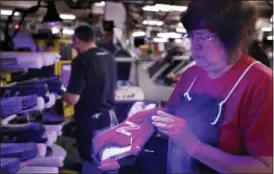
x=135 y=14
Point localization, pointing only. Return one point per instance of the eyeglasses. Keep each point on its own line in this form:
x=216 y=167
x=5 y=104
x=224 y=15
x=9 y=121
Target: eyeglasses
x=203 y=39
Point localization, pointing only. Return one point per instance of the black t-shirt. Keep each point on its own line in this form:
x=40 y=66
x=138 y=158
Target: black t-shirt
x=93 y=77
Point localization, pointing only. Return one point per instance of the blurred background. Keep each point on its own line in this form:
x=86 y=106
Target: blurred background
x=145 y=36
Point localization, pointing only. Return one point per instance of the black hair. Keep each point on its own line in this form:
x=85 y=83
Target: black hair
x=84 y=33
x=233 y=21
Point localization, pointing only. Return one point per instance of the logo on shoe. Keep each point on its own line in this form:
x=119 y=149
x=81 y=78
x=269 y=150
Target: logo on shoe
x=125 y=129
x=101 y=53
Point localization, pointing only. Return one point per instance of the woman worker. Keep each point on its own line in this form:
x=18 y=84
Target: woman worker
x=222 y=116
x=223 y=106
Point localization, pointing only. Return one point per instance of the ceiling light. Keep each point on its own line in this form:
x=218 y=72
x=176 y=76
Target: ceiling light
x=271 y=19
x=100 y=4
x=171 y=35
x=150 y=8
x=153 y=22
x=269 y=38
x=52 y=17
x=55 y=30
x=164 y=8
x=160 y=40
x=266 y=29
x=8 y=12
x=178 y=8
x=68 y=31
x=67 y=16
x=138 y=34
x=178 y=41
x=180 y=30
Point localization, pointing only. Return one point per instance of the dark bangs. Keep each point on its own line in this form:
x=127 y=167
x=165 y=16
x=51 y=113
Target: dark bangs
x=233 y=21
x=193 y=20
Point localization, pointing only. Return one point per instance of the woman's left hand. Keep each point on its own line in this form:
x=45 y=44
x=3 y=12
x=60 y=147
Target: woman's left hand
x=177 y=130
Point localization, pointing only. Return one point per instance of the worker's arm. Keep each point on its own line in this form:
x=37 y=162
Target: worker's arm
x=76 y=83
x=70 y=98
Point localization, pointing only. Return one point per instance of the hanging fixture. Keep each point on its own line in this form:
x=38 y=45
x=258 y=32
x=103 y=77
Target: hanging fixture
x=52 y=17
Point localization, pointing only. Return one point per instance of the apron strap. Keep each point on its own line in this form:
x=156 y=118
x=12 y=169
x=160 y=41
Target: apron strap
x=113 y=118
x=186 y=94
x=231 y=91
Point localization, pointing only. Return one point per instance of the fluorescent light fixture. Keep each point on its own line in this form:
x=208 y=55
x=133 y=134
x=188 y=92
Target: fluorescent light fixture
x=269 y=38
x=67 y=16
x=55 y=30
x=271 y=19
x=178 y=41
x=150 y=8
x=138 y=34
x=8 y=12
x=160 y=40
x=266 y=29
x=181 y=30
x=153 y=22
x=171 y=35
x=51 y=17
x=178 y=8
x=100 y=4
x=164 y=8
x=68 y=31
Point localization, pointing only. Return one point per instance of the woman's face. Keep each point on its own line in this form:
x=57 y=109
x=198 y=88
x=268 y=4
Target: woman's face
x=207 y=50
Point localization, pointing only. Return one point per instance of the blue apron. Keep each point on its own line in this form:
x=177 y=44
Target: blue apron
x=203 y=114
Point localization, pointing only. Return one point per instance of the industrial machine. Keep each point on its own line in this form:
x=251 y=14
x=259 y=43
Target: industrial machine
x=158 y=80
x=168 y=75
x=61 y=46
x=126 y=90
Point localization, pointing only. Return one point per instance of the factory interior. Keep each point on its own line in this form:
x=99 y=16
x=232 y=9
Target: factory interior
x=144 y=36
